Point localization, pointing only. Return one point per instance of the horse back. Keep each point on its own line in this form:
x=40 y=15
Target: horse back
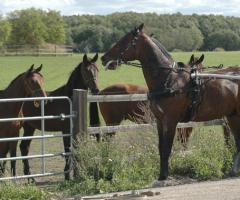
x=115 y=112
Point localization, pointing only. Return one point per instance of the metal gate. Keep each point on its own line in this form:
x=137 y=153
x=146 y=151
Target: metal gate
x=41 y=137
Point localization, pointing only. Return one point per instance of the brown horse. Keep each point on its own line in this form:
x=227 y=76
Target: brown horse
x=174 y=95
x=84 y=76
x=27 y=84
x=115 y=112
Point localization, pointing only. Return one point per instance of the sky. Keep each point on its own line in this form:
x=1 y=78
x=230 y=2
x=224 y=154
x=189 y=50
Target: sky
x=104 y=7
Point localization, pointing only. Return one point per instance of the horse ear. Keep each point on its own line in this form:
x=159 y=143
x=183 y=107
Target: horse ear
x=191 y=61
x=85 y=58
x=95 y=58
x=39 y=68
x=31 y=68
x=199 y=60
x=141 y=27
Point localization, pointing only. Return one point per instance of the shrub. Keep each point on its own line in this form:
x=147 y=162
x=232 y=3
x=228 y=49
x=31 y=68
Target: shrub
x=131 y=161
x=219 y=49
x=117 y=165
x=18 y=192
x=177 y=50
x=208 y=158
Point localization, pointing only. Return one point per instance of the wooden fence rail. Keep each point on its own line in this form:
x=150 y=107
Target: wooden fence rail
x=15 y=50
x=82 y=129
x=145 y=127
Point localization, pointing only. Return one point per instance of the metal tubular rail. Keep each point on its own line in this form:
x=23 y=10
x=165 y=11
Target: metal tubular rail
x=62 y=117
x=217 y=76
x=42 y=137
x=33 y=137
x=47 y=155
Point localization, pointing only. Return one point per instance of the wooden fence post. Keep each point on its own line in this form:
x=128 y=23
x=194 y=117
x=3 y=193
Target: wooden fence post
x=79 y=121
x=80 y=110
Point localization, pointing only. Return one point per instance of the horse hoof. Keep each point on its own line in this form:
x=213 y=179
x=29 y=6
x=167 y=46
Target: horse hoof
x=163 y=183
x=158 y=183
x=162 y=177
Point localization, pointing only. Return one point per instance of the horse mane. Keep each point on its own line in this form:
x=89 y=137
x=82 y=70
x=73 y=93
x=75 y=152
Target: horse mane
x=14 y=79
x=75 y=75
x=163 y=49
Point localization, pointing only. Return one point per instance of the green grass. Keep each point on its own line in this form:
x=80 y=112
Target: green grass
x=56 y=70
x=10 y=191
x=131 y=161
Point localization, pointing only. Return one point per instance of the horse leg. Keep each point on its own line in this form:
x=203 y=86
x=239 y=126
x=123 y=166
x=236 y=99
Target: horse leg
x=13 y=153
x=166 y=134
x=4 y=146
x=234 y=123
x=67 y=145
x=24 y=147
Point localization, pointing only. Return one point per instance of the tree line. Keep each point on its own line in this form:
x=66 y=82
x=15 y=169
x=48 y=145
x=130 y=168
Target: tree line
x=96 y=33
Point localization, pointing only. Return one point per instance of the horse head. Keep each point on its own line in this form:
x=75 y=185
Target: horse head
x=124 y=50
x=89 y=71
x=33 y=82
x=196 y=62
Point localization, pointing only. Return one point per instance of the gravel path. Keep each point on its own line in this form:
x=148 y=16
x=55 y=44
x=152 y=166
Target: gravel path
x=228 y=189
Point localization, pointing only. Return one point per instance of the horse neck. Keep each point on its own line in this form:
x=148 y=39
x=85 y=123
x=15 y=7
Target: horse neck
x=153 y=63
x=67 y=89
x=14 y=90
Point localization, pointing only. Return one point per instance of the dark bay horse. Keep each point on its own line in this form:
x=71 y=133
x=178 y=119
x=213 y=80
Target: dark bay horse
x=174 y=95
x=115 y=112
x=84 y=76
x=27 y=84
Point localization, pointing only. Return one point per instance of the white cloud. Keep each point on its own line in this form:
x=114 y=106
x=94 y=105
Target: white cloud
x=70 y=7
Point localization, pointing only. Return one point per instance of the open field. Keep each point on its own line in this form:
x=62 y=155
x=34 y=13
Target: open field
x=56 y=71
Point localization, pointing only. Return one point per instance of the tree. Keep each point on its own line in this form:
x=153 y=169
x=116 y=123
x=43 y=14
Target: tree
x=35 y=27
x=55 y=27
x=226 y=39
x=27 y=27
x=5 y=29
x=175 y=31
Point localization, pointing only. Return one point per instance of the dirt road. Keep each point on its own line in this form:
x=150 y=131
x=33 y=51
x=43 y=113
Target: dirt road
x=228 y=189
